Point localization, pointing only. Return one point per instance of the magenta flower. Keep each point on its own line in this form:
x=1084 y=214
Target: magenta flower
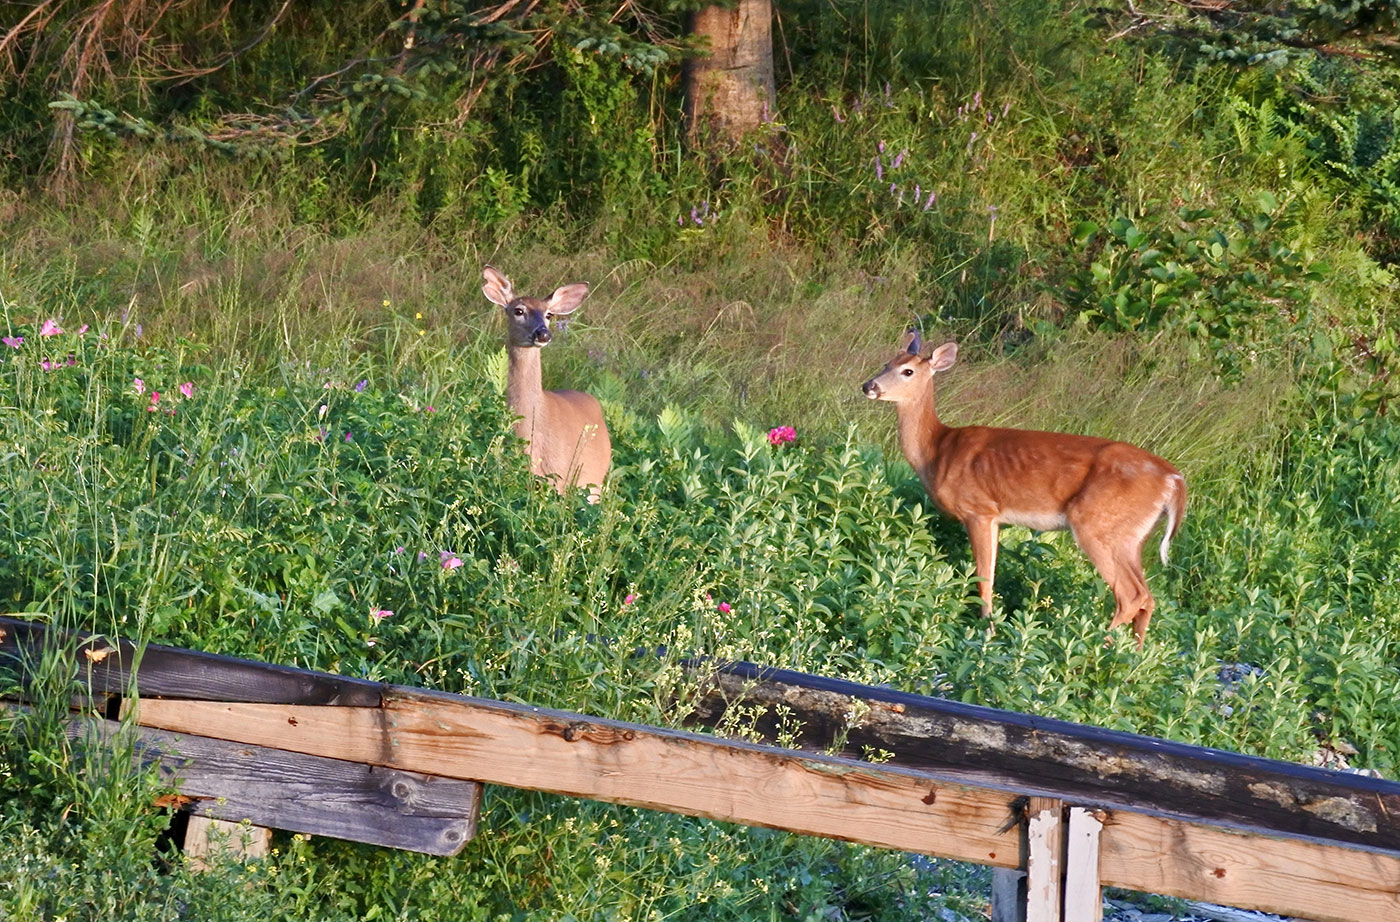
x=139 y=386
x=725 y=608
x=430 y=410
x=46 y=365
x=82 y=329
x=781 y=435
x=155 y=399
x=50 y=328
x=379 y=614
x=450 y=561
x=349 y=437
x=631 y=597
x=187 y=389
x=14 y=342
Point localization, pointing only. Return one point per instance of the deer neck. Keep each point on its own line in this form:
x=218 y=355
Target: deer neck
x=920 y=429
x=524 y=390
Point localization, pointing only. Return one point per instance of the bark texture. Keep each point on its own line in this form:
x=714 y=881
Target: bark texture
x=730 y=91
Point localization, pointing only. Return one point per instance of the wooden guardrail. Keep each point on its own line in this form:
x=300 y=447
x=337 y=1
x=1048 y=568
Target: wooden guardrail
x=1076 y=807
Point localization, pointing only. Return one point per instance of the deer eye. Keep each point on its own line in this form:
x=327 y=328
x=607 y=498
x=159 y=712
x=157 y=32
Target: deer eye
x=907 y=372
x=520 y=312
x=548 y=317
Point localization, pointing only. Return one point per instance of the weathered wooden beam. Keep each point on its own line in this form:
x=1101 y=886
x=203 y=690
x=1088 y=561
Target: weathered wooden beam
x=679 y=772
x=234 y=781
x=1279 y=875
x=675 y=771
x=106 y=666
x=1074 y=762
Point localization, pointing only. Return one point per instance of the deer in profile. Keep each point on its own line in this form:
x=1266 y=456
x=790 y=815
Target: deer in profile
x=567 y=439
x=1110 y=495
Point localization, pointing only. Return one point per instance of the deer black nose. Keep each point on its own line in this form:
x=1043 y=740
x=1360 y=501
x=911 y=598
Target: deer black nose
x=542 y=336
x=871 y=389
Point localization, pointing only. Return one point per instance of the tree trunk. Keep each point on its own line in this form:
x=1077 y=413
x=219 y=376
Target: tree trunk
x=730 y=91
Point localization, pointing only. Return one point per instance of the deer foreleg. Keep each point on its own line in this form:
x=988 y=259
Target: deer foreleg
x=983 y=533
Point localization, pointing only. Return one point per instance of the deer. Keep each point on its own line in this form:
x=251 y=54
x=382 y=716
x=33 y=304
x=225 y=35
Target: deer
x=565 y=435
x=1109 y=494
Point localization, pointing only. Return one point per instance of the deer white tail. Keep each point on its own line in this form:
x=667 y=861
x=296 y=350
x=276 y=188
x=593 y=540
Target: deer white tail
x=1174 y=508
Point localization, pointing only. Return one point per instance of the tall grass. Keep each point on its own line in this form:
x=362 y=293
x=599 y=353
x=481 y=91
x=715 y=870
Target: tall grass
x=331 y=432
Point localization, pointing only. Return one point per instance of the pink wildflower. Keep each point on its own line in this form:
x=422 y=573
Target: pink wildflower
x=450 y=561
x=187 y=389
x=82 y=329
x=155 y=399
x=781 y=435
x=631 y=597
x=14 y=342
x=139 y=386
x=46 y=365
x=725 y=608
x=50 y=328
x=379 y=614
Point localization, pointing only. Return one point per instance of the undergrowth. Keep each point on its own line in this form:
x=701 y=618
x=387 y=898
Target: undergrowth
x=253 y=404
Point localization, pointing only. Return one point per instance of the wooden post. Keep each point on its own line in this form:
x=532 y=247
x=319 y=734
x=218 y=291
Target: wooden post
x=1008 y=895
x=1083 y=892
x=1045 y=859
x=209 y=840
x=1033 y=895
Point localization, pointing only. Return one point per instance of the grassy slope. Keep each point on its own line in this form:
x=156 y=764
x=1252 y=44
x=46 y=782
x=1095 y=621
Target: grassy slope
x=236 y=525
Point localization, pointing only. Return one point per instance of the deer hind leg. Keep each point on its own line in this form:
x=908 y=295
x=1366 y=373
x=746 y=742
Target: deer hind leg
x=1118 y=558
x=983 y=533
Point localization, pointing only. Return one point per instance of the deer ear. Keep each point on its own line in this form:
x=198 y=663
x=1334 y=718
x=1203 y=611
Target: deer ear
x=567 y=298
x=497 y=288
x=942 y=358
x=913 y=342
